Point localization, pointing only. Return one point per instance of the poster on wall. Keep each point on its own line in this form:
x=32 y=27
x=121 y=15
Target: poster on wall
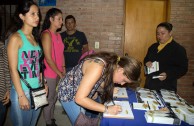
x=47 y=2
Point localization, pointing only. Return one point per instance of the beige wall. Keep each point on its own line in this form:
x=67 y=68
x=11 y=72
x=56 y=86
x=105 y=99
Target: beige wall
x=103 y=21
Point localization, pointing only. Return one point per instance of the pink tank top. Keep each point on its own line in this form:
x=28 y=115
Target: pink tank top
x=57 y=55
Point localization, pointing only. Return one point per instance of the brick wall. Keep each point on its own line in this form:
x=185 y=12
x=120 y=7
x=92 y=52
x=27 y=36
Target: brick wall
x=182 y=18
x=103 y=21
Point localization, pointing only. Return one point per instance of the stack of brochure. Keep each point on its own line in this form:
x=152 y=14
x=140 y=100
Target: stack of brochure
x=169 y=96
x=162 y=117
x=153 y=102
x=180 y=107
x=185 y=113
x=147 y=98
x=150 y=105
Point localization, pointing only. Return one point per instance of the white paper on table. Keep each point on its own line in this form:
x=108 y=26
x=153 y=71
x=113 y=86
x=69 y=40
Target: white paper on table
x=160 y=118
x=126 y=112
x=122 y=93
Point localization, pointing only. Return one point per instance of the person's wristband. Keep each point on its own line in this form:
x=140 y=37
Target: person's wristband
x=106 y=109
x=20 y=96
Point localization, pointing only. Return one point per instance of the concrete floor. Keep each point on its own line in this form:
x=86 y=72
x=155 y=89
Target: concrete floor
x=61 y=119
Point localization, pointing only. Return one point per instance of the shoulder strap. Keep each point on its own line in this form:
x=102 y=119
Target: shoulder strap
x=97 y=58
x=25 y=82
x=101 y=60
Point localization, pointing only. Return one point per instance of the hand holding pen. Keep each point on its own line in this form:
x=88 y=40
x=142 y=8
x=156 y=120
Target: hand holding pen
x=114 y=109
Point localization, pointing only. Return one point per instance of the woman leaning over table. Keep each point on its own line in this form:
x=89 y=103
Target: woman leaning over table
x=100 y=70
x=53 y=48
x=172 y=58
x=23 y=56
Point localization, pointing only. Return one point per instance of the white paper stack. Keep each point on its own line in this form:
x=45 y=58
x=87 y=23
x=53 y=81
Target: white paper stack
x=149 y=105
x=122 y=93
x=169 y=96
x=140 y=106
x=126 y=112
x=170 y=99
x=151 y=96
x=185 y=113
x=147 y=97
x=142 y=90
x=161 y=117
x=165 y=92
x=180 y=107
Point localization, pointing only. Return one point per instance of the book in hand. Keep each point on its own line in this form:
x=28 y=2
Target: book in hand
x=126 y=112
x=153 y=68
x=120 y=93
x=162 y=117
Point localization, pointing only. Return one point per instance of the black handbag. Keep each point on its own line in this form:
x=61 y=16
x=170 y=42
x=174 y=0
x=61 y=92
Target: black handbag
x=37 y=95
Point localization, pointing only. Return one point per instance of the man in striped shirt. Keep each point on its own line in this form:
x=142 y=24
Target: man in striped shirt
x=5 y=84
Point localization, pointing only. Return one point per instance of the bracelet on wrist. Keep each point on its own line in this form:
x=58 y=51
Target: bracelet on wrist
x=20 y=96
x=106 y=109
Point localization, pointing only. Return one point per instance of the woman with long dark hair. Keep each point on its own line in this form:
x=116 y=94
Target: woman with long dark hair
x=97 y=71
x=53 y=48
x=24 y=53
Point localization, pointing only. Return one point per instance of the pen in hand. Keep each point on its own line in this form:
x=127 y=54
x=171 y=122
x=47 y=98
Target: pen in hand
x=148 y=105
x=112 y=101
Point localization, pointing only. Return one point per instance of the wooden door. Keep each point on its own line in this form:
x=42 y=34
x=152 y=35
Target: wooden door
x=141 y=19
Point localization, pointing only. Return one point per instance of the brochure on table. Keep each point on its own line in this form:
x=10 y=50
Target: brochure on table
x=121 y=93
x=126 y=112
x=162 y=117
x=178 y=108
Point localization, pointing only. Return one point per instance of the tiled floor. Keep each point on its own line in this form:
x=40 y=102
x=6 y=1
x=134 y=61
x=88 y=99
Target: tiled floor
x=61 y=119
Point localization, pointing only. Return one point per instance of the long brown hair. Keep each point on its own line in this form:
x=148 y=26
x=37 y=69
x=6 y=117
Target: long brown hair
x=132 y=69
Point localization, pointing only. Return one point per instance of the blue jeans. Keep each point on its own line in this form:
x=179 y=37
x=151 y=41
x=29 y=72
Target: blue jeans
x=72 y=109
x=2 y=113
x=21 y=117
